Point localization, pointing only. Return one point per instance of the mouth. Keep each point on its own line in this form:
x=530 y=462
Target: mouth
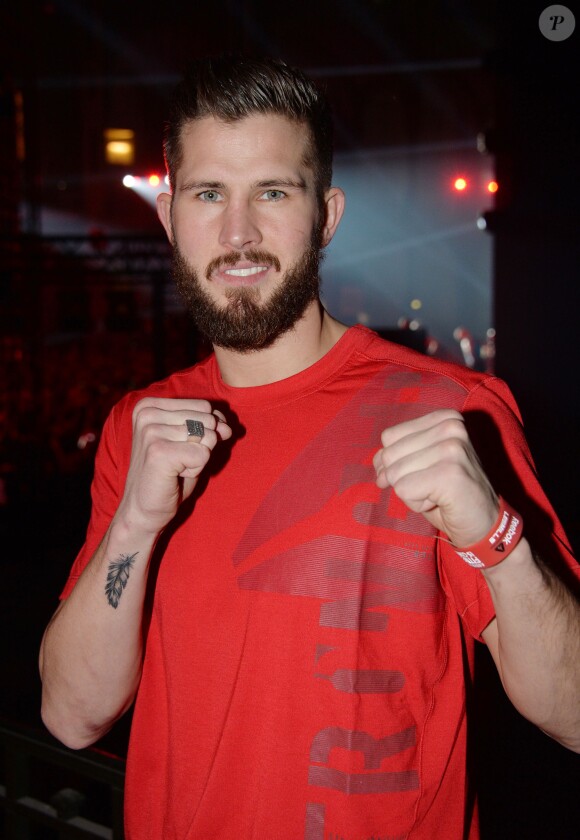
x=242 y=274
x=242 y=269
x=246 y=272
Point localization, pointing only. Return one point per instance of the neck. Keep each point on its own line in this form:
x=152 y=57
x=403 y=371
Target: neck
x=294 y=351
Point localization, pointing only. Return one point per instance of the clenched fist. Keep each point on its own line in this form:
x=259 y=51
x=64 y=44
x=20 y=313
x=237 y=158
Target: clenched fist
x=165 y=460
x=432 y=466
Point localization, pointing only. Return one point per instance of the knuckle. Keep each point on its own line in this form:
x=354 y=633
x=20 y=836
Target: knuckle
x=205 y=453
x=150 y=432
x=454 y=427
x=392 y=474
x=203 y=406
x=387 y=457
x=210 y=438
x=142 y=403
x=385 y=437
x=156 y=448
x=448 y=414
x=138 y=409
x=210 y=422
x=452 y=449
x=143 y=415
x=197 y=458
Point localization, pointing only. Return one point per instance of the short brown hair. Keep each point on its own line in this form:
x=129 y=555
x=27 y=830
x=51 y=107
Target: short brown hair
x=231 y=87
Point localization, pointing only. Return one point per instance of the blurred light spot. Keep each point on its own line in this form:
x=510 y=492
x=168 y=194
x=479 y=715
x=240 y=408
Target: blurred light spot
x=460 y=184
x=154 y=180
x=119 y=145
x=416 y=303
x=492 y=187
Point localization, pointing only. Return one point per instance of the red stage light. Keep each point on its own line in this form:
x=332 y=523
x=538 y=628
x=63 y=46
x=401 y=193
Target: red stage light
x=460 y=184
x=492 y=186
x=154 y=180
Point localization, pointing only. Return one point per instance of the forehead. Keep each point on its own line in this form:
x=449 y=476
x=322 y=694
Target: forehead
x=261 y=145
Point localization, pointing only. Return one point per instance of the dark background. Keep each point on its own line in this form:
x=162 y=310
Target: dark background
x=413 y=75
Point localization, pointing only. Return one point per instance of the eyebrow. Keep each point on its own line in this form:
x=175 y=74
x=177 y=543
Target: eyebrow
x=268 y=183
x=299 y=184
x=201 y=185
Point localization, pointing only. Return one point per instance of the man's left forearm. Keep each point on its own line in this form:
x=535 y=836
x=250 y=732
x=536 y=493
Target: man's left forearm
x=535 y=642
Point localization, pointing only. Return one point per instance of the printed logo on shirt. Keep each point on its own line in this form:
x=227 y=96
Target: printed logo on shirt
x=326 y=531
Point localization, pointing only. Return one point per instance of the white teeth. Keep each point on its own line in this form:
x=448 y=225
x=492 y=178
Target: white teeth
x=245 y=272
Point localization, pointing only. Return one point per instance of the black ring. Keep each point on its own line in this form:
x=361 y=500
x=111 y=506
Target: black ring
x=195 y=428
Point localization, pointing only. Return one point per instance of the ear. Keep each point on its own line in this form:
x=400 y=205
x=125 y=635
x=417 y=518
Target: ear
x=334 y=201
x=164 y=213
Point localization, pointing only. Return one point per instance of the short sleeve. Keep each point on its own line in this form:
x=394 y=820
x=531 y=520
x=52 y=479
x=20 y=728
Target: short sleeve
x=111 y=464
x=495 y=428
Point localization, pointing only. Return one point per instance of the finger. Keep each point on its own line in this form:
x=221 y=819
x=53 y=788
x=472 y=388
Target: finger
x=158 y=409
x=444 y=443
x=463 y=506
x=390 y=472
x=435 y=479
x=196 y=423
x=158 y=435
x=206 y=437
x=447 y=429
x=151 y=415
x=222 y=428
x=193 y=460
x=451 y=451
x=187 y=487
x=418 y=425
x=179 y=417
x=381 y=476
x=173 y=404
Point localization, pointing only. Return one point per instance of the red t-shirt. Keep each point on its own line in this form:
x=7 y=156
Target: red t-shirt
x=305 y=666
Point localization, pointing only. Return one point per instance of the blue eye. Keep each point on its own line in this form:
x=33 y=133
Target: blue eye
x=209 y=196
x=273 y=195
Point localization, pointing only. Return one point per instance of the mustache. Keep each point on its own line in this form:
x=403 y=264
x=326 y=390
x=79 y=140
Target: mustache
x=251 y=255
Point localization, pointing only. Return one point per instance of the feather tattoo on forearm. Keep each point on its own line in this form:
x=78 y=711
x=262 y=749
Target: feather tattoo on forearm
x=117 y=578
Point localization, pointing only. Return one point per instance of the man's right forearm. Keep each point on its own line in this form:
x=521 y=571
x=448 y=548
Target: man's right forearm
x=91 y=653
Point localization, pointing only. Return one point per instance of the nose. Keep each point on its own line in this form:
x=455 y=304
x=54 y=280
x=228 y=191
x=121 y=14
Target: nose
x=239 y=228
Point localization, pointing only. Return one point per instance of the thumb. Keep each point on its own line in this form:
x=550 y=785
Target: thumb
x=187 y=485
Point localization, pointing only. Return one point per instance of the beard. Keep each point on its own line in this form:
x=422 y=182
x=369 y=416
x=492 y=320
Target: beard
x=245 y=324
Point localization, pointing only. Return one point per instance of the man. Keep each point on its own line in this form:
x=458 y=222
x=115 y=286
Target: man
x=294 y=544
